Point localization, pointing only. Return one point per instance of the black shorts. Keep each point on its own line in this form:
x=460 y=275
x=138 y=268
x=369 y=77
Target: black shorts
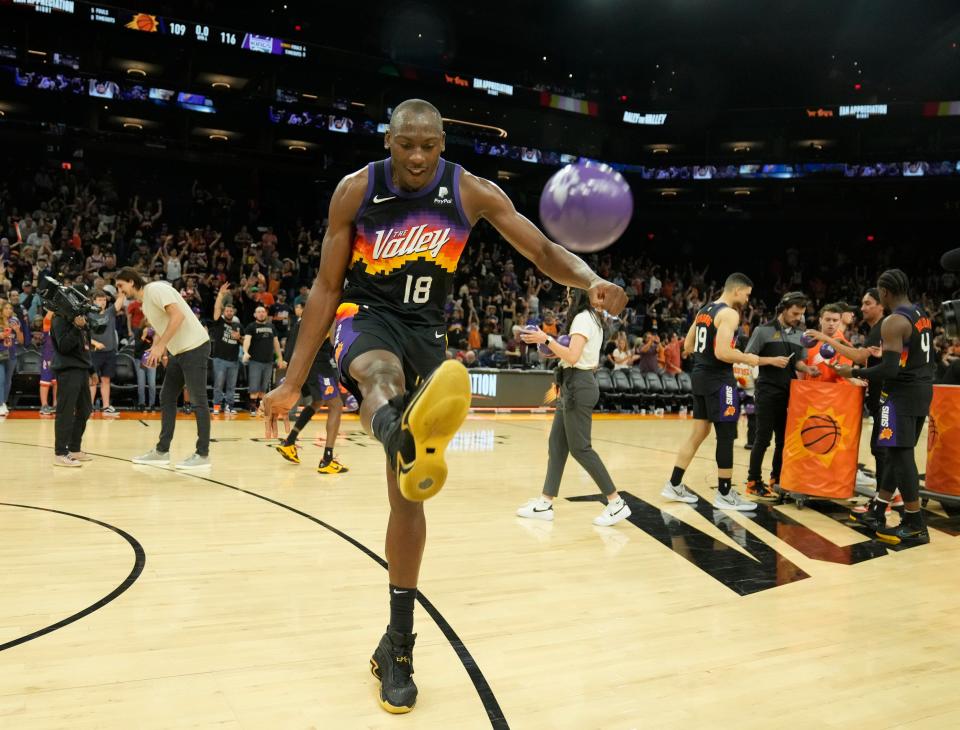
x=322 y=384
x=719 y=406
x=893 y=429
x=105 y=363
x=361 y=328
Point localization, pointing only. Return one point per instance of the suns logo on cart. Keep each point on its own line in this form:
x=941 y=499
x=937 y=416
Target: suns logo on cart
x=483 y=385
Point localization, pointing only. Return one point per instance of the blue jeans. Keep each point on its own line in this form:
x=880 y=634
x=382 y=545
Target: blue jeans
x=225 y=370
x=6 y=377
x=145 y=377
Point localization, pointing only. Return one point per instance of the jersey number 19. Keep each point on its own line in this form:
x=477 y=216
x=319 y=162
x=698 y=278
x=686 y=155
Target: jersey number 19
x=701 y=343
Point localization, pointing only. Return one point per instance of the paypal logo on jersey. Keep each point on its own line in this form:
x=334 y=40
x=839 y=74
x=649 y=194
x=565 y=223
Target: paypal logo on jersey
x=393 y=244
x=442 y=198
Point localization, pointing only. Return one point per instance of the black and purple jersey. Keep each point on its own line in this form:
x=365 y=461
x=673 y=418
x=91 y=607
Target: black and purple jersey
x=407 y=245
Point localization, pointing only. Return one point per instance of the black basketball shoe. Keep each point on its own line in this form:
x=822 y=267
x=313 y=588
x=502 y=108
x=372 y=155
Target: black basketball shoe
x=906 y=534
x=868 y=520
x=392 y=664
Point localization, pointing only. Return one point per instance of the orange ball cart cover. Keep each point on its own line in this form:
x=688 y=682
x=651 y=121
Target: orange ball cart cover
x=822 y=439
x=943 y=441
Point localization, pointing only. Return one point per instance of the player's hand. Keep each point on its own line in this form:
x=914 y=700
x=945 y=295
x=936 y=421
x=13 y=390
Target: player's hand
x=859 y=382
x=816 y=335
x=278 y=402
x=533 y=337
x=844 y=371
x=813 y=372
x=608 y=296
x=875 y=351
x=155 y=355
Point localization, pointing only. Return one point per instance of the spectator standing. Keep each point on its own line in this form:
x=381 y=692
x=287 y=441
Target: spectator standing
x=225 y=337
x=260 y=345
x=11 y=340
x=105 y=349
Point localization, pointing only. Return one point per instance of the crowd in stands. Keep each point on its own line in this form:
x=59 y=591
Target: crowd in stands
x=247 y=278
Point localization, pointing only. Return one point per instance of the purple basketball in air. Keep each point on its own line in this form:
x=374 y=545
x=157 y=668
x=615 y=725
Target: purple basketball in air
x=808 y=341
x=827 y=352
x=586 y=206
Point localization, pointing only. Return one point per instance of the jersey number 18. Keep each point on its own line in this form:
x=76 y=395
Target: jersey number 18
x=417 y=291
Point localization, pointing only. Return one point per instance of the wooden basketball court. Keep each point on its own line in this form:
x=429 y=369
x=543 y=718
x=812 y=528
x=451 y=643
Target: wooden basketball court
x=251 y=596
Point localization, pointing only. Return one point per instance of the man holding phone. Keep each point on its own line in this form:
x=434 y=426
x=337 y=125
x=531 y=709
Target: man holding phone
x=779 y=337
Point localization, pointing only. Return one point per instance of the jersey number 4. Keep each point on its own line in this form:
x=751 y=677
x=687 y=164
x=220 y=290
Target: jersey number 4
x=417 y=291
x=701 y=344
x=925 y=345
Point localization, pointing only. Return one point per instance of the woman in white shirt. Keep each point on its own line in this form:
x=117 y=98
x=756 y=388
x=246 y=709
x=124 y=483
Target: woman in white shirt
x=622 y=357
x=573 y=419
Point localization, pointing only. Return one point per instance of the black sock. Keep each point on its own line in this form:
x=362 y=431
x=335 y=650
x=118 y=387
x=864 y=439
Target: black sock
x=878 y=507
x=401 y=608
x=725 y=485
x=291 y=438
x=327 y=455
x=384 y=421
x=677 y=477
x=913 y=520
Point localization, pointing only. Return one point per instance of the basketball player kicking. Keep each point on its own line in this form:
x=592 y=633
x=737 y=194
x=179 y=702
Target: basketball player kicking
x=715 y=398
x=905 y=377
x=397 y=229
x=321 y=386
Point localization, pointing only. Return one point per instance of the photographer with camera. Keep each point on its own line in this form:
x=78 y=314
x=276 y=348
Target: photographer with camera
x=75 y=379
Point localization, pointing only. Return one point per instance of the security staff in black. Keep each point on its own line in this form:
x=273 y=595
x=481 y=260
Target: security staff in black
x=779 y=337
x=905 y=376
x=715 y=400
x=74 y=368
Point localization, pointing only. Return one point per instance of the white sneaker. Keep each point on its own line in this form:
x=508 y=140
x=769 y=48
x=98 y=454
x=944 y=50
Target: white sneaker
x=110 y=411
x=537 y=509
x=865 y=480
x=612 y=513
x=152 y=457
x=65 y=460
x=4 y=411
x=680 y=493
x=194 y=461
x=733 y=501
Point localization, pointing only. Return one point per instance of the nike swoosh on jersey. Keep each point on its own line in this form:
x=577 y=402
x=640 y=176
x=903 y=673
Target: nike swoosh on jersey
x=378 y=199
x=438 y=335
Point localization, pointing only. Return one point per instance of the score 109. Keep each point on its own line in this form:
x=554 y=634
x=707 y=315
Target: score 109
x=202 y=33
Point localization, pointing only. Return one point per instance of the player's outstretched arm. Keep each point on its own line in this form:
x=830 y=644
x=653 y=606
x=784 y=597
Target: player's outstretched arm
x=321 y=306
x=482 y=199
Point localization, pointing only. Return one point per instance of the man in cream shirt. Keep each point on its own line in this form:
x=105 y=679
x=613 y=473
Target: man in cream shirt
x=185 y=342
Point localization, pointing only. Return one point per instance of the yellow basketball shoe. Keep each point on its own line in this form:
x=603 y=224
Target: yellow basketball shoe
x=432 y=417
x=289 y=453
x=332 y=467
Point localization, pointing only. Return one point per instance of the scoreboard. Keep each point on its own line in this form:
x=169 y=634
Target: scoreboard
x=200 y=33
